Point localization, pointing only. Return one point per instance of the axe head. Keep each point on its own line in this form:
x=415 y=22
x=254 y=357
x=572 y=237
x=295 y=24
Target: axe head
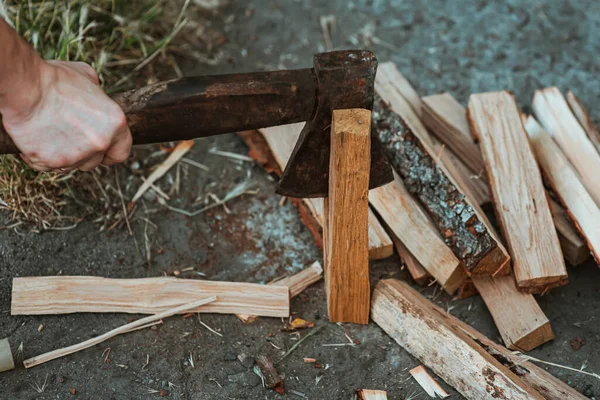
x=345 y=79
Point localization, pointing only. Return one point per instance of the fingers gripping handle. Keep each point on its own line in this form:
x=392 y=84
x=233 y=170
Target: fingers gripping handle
x=6 y=144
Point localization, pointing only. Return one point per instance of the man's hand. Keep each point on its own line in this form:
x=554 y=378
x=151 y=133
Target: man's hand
x=56 y=112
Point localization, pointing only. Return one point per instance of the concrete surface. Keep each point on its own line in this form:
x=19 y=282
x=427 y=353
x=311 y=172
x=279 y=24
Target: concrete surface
x=460 y=47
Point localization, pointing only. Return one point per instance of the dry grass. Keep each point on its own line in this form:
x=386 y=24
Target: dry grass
x=130 y=44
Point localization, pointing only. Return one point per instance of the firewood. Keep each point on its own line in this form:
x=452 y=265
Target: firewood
x=447 y=119
x=270 y=376
x=566 y=185
x=414 y=267
x=295 y=283
x=367 y=394
x=346 y=218
x=584 y=119
x=413 y=227
x=519 y=197
x=429 y=385
x=72 y=294
x=277 y=143
x=546 y=384
x=52 y=355
x=428 y=182
x=6 y=358
x=388 y=75
x=411 y=321
x=553 y=112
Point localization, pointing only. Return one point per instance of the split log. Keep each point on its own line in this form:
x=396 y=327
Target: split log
x=584 y=119
x=552 y=110
x=6 y=358
x=410 y=320
x=413 y=227
x=565 y=183
x=273 y=150
x=426 y=381
x=388 y=75
x=367 y=394
x=546 y=384
x=295 y=283
x=519 y=197
x=132 y=326
x=447 y=119
x=414 y=267
x=346 y=218
x=72 y=294
x=462 y=229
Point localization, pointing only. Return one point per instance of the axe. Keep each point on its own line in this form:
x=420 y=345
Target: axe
x=201 y=106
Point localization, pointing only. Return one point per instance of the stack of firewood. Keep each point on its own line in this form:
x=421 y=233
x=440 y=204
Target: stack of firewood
x=450 y=164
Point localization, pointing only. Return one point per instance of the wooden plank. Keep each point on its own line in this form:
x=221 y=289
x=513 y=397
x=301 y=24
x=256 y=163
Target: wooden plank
x=446 y=118
x=295 y=283
x=412 y=226
x=565 y=183
x=6 y=358
x=426 y=381
x=408 y=318
x=72 y=294
x=430 y=183
x=142 y=322
x=547 y=385
x=281 y=141
x=584 y=119
x=519 y=197
x=553 y=112
x=388 y=75
x=346 y=218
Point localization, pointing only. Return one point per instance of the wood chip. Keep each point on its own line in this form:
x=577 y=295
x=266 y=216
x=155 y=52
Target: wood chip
x=429 y=385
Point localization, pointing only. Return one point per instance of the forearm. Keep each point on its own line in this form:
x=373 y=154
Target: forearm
x=19 y=71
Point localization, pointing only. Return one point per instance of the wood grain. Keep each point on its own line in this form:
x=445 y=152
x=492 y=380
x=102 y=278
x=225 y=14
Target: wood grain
x=553 y=112
x=281 y=141
x=414 y=267
x=6 y=358
x=73 y=294
x=347 y=218
x=447 y=119
x=388 y=75
x=412 y=226
x=295 y=283
x=368 y=394
x=429 y=385
x=584 y=119
x=519 y=197
x=428 y=181
x=565 y=183
x=410 y=320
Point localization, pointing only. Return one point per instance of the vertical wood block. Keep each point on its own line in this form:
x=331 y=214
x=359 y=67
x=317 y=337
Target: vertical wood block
x=346 y=218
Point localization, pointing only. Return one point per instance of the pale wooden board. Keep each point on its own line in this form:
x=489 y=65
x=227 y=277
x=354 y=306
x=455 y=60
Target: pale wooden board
x=412 y=226
x=566 y=184
x=447 y=119
x=387 y=72
x=519 y=197
x=345 y=239
x=6 y=358
x=455 y=357
x=295 y=283
x=553 y=112
x=584 y=119
x=72 y=294
x=550 y=387
x=518 y=317
x=281 y=140
x=497 y=260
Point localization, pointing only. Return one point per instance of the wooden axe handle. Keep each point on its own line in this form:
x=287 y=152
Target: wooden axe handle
x=194 y=107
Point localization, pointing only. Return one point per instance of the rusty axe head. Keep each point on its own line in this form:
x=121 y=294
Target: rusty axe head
x=345 y=79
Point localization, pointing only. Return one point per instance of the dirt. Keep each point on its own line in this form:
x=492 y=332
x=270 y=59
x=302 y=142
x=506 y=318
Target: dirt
x=459 y=47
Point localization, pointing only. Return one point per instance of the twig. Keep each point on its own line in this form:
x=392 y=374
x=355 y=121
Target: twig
x=299 y=342
x=208 y=327
x=195 y=164
x=32 y=362
x=529 y=358
x=231 y=155
x=123 y=202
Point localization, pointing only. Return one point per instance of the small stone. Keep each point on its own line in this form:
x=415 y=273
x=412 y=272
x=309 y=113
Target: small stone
x=246 y=360
x=61 y=379
x=41 y=327
x=162 y=393
x=73 y=391
x=246 y=378
x=230 y=357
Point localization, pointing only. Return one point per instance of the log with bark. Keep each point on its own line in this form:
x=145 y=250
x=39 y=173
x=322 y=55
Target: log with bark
x=520 y=200
x=463 y=230
x=72 y=294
